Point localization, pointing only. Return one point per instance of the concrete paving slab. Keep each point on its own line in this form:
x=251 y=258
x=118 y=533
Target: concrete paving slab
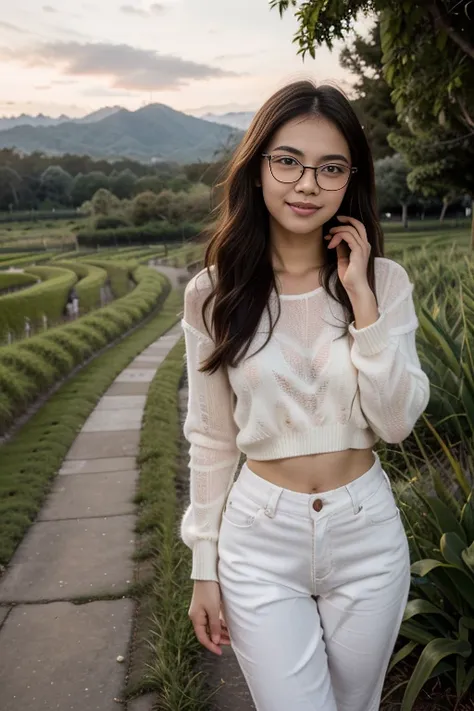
x=93 y=466
x=94 y=445
x=113 y=420
x=3 y=614
x=121 y=402
x=142 y=703
x=146 y=363
x=148 y=358
x=135 y=375
x=64 y=656
x=66 y=559
x=128 y=389
x=86 y=495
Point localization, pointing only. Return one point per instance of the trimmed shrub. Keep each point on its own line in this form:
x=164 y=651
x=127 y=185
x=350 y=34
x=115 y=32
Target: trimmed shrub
x=30 y=367
x=15 y=280
x=151 y=232
x=91 y=279
x=119 y=273
x=48 y=298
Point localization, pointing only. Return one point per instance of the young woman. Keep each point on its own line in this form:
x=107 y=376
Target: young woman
x=300 y=348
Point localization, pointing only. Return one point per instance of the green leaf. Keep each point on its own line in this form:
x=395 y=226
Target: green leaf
x=402 y=653
x=455 y=465
x=452 y=549
x=467 y=517
x=433 y=653
x=467 y=622
x=459 y=580
x=447 y=521
x=424 y=607
x=468 y=557
x=425 y=566
x=416 y=632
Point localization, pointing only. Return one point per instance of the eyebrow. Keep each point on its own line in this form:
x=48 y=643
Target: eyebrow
x=297 y=152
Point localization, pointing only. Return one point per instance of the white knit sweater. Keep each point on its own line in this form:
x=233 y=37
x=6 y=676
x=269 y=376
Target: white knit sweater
x=294 y=397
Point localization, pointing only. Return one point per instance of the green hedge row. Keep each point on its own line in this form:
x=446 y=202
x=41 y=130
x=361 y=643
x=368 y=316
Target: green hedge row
x=49 y=298
x=151 y=232
x=31 y=459
x=31 y=258
x=7 y=257
x=32 y=366
x=91 y=279
x=10 y=280
x=120 y=273
x=130 y=253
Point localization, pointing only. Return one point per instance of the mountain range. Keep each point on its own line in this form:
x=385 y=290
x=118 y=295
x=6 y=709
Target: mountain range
x=153 y=133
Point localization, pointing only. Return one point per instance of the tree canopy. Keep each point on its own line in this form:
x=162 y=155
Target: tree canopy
x=428 y=51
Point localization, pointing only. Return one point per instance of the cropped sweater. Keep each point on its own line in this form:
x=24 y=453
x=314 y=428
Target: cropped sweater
x=317 y=386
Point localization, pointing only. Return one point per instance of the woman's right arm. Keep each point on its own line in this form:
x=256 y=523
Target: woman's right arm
x=211 y=431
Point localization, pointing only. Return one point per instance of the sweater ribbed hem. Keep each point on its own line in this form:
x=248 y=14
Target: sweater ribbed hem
x=204 y=560
x=371 y=339
x=325 y=438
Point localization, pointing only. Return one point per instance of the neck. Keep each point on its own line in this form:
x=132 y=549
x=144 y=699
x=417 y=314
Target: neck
x=295 y=253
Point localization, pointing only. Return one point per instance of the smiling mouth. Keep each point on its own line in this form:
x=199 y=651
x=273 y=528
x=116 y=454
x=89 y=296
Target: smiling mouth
x=302 y=208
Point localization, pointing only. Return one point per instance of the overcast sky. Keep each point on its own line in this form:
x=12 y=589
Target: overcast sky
x=194 y=55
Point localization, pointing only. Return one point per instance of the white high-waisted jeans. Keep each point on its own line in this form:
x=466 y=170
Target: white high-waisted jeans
x=313 y=599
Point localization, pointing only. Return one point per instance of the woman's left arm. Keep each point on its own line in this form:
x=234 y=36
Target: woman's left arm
x=394 y=390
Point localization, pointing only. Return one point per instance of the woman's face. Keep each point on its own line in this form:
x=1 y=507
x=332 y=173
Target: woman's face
x=313 y=141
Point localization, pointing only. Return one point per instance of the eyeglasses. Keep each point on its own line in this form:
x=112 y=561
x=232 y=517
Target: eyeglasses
x=330 y=176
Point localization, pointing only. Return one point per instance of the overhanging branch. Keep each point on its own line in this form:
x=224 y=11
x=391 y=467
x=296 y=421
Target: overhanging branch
x=441 y=21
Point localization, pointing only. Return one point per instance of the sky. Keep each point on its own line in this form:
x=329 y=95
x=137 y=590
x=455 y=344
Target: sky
x=194 y=55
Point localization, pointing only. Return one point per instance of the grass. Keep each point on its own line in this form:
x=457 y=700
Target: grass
x=32 y=234
x=31 y=460
x=167 y=648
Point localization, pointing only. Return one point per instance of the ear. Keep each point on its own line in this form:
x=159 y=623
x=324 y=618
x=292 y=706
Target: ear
x=258 y=182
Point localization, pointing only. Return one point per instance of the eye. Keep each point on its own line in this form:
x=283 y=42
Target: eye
x=285 y=160
x=333 y=169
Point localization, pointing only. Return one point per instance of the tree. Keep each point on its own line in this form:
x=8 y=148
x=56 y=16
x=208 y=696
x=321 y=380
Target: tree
x=428 y=51
x=55 y=185
x=428 y=60
x=123 y=184
x=104 y=203
x=391 y=183
x=441 y=164
x=85 y=186
x=144 y=208
x=373 y=104
x=10 y=183
x=148 y=183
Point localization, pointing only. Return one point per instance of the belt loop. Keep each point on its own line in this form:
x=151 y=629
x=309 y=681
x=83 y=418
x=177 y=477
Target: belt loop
x=351 y=490
x=272 y=502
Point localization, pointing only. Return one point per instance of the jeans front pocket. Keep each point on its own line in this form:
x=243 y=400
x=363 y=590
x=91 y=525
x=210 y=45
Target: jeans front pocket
x=381 y=506
x=239 y=510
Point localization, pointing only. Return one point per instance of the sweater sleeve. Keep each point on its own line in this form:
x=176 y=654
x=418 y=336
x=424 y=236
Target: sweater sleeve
x=394 y=390
x=211 y=431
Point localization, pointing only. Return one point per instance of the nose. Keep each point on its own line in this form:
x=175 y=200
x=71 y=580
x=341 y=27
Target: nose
x=307 y=183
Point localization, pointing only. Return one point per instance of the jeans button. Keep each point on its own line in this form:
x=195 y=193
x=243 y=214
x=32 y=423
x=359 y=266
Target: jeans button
x=317 y=504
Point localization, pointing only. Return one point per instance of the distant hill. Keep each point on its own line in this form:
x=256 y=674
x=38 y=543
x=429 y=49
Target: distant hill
x=153 y=133
x=238 y=119
x=7 y=122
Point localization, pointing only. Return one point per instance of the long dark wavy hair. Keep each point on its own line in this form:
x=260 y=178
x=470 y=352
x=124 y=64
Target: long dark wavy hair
x=239 y=247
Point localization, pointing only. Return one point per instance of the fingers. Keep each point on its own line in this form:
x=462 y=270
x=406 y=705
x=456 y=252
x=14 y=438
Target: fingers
x=354 y=234
x=357 y=224
x=208 y=633
x=225 y=638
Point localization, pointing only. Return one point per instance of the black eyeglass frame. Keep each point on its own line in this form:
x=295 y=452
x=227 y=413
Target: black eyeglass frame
x=352 y=171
